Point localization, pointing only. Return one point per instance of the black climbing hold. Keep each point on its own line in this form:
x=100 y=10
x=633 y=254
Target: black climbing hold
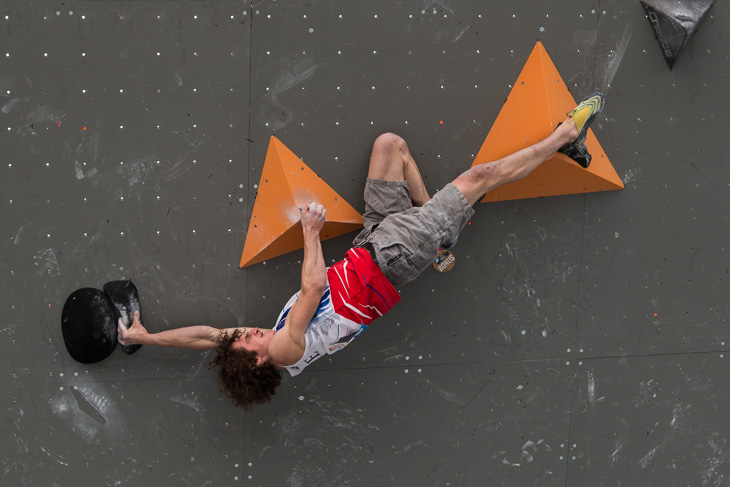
x=124 y=297
x=674 y=22
x=89 y=325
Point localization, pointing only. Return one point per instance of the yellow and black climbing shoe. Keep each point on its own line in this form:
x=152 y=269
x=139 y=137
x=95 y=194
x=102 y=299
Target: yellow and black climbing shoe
x=583 y=115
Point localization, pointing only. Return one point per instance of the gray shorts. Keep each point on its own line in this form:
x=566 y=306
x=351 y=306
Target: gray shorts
x=406 y=239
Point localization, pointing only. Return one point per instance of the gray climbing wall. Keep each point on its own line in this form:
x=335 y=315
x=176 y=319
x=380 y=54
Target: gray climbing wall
x=579 y=339
x=124 y=145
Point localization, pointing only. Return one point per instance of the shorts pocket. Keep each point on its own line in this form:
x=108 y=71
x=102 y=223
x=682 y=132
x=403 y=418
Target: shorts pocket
x=398 y=264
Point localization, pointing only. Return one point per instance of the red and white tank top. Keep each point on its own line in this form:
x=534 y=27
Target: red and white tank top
x=356 y=293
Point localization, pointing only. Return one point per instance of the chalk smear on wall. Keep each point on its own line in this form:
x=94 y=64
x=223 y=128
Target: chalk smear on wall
x=274 y=113
x=608 y=63
x=88 y=411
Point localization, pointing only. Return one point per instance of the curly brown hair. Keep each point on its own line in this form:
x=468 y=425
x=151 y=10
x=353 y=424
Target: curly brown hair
x=239 y=376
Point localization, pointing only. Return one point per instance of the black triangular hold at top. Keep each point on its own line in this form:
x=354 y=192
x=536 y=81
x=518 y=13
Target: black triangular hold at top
x=674 y=22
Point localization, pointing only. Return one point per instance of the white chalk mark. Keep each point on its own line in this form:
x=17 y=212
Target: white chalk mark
x=507 y=337
x=526 y=456
x=89 y=411
x=47 y=261
x=448 y=395
x=411 y=445
x=542 y=233
x=617 y=452
x=187 y=402
x=79 y=171
x=89 y=145
x=507 y=246
x=273 y=111
x=39 y=115
x=18 y=235
x=648 y=457
x=8 y=107
x=461 y=34
x=614 y=58
x=591 y=389
x=630 y=175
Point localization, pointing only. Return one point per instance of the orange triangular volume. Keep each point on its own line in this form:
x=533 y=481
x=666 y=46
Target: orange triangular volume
x=287 y=184
x=539 y=101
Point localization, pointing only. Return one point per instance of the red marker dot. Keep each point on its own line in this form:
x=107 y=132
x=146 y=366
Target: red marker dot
x=656 y=314
x=84 y=128
x=441 y=122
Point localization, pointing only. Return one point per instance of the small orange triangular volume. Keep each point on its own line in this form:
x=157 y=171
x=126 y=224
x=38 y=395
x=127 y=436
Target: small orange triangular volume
x=539 y=101
x=286 y=185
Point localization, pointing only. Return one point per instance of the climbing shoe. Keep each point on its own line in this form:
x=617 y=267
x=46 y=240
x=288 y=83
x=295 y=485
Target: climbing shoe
x=583 y=115
x=579 y=153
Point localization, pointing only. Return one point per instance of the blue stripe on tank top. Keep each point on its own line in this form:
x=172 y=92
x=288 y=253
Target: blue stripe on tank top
x=324 y=302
